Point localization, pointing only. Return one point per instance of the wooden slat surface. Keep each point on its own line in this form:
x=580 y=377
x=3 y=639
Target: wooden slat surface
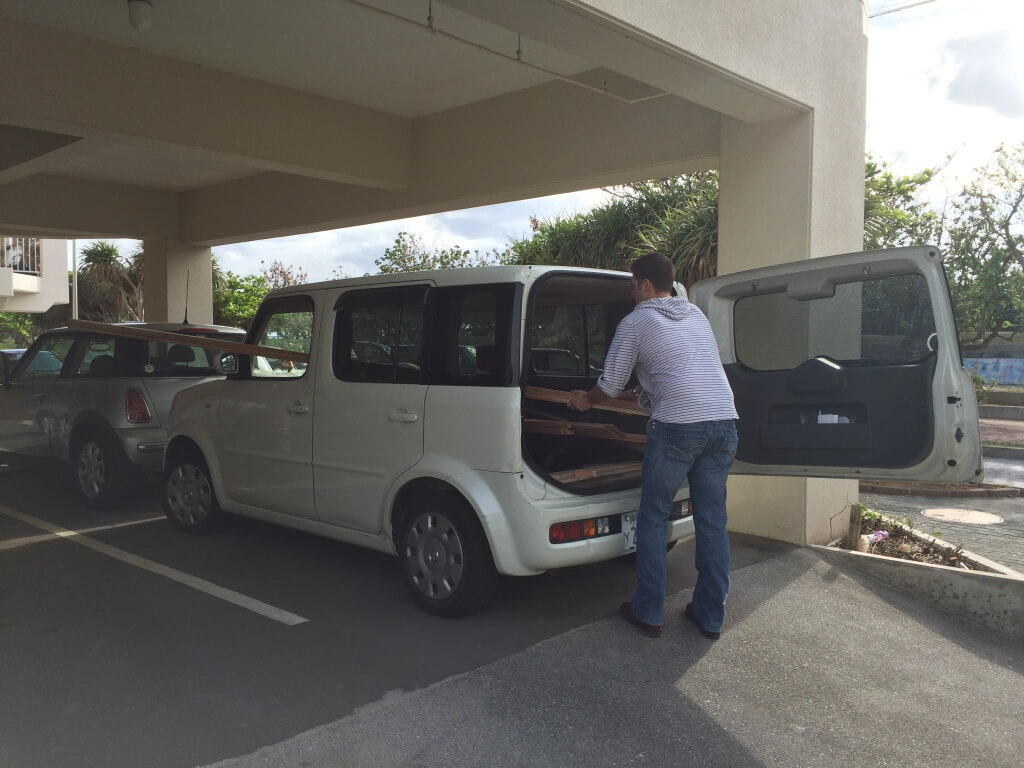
x=599 y=471
x=204 y=342
x=583 y=429
x=616 y=405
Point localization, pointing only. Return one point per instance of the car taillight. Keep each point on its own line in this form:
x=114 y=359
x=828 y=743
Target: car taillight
x=135 y=407
x=576 y=530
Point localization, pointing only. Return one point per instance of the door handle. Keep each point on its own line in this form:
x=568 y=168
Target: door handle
x=41 y=395
x=403 y=416
x=298 y=408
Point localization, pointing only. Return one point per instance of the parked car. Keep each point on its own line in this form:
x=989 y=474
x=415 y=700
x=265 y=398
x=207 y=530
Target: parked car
x=9 y=358
x=100 y=401
x=467 y=466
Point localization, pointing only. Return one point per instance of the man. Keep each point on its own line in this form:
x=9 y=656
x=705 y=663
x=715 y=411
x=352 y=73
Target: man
x=691 y=435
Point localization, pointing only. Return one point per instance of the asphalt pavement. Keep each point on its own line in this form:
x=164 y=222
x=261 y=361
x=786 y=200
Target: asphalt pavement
x=817 y=666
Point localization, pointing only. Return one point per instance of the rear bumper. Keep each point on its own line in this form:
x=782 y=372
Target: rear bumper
x=144 y=448
x=518 y=526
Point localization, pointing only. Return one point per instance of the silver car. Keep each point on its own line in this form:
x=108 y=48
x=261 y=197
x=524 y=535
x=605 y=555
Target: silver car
x=101 y=401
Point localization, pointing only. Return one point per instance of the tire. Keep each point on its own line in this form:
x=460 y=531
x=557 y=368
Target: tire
x=445 y=559
x=99 y=469
x=190 y=502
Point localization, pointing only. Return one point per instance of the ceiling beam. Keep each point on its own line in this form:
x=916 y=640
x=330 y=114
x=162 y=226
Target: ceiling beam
x=539 y=141
x=153 y=100
x=62 y=206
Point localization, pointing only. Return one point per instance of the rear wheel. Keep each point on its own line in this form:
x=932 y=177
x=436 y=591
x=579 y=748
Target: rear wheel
x=446 y=560
x=190 y=502
x=99 y=468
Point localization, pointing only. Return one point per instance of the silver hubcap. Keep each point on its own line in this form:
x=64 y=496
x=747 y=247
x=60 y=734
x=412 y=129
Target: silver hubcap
x=433 y=555
x=92 y=470
x=189 y=496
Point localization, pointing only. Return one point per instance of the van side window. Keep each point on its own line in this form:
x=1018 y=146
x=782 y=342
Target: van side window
x=378 y=336
x=573 y=340
x=285 y=323
x=471 y=336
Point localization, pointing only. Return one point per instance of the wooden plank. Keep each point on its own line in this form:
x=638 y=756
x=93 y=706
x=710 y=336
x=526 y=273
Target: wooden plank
x=583 y=429
x=616 y=405
x=203 y=342
x=599 y=471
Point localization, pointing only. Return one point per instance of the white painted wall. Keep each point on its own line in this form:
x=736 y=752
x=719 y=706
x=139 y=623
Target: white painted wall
x=31 y=293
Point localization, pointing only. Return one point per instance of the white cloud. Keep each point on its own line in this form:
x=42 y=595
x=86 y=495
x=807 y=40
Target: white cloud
x=945 y=78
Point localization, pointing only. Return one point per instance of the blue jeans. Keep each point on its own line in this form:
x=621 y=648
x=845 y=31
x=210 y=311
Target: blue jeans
x=701 y=453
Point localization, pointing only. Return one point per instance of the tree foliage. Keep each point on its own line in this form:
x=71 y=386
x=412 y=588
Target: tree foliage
x=407 y=254
x=893 y=213
x=236 y=298
x=109 y=285
x=18 y=329
x=677 y=217
x=983 y=238
x=280 y=275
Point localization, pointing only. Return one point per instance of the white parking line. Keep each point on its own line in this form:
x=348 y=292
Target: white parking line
x=249 y=603
x=24 y=541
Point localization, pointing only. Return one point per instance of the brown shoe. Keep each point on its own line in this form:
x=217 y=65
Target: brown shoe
x=688 y=613
x=626 y=612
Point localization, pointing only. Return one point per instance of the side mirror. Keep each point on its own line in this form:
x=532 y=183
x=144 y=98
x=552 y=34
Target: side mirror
x=226 y=363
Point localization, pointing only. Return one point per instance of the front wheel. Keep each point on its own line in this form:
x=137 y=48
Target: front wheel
x=446 y=561
x=189 y=499
x=99 y=469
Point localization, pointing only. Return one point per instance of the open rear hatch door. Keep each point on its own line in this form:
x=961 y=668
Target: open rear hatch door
x=847 y=366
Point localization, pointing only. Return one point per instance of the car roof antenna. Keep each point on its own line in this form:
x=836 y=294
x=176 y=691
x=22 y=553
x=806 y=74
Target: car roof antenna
x=185 y=321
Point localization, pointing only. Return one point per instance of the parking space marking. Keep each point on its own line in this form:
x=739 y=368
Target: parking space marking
x=209 y=588
x=24 y=541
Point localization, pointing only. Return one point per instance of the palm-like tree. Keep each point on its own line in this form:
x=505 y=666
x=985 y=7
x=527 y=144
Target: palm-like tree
x=677 y=217
x=110 y=286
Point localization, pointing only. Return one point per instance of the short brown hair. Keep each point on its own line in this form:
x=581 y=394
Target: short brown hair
x=657 y=268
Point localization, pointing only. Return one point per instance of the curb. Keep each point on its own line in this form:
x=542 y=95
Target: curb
x=995 y=600
x=941 y=491
x=1002 y=412
x=1002 y=452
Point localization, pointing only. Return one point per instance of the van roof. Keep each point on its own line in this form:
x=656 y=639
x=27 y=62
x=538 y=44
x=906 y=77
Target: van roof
x=452 y=277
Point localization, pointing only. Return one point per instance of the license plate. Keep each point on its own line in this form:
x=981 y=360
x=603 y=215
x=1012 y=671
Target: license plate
x=629 y=532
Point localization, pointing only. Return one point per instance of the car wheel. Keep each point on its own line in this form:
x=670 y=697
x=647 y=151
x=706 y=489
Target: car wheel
x=99 y=469
x=190 y=502
x=446 y=561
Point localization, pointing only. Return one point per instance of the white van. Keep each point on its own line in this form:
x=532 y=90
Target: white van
x=430 y=419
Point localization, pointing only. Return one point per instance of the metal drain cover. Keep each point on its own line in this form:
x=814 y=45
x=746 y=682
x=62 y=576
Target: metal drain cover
x=969 y=516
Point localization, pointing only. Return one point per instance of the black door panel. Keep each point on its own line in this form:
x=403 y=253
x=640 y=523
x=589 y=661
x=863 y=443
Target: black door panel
x=834 y=415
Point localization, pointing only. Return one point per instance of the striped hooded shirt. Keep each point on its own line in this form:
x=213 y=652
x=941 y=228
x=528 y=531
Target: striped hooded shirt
x=669 y=343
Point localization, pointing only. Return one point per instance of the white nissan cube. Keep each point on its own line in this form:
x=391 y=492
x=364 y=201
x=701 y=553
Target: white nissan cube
x=429 y=418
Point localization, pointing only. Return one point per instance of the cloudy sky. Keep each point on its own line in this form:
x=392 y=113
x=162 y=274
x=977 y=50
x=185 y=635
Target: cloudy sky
x=944 y=77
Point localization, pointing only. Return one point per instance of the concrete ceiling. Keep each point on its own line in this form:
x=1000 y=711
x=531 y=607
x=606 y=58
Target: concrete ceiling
x=214 y=95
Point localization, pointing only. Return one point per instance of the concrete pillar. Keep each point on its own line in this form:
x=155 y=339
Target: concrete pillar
x=173 y=272
x=782 y=199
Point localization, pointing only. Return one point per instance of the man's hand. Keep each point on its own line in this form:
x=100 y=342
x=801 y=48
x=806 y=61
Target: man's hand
x=579 y=401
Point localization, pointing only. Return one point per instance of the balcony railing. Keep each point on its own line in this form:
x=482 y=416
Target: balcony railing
x=20 y=253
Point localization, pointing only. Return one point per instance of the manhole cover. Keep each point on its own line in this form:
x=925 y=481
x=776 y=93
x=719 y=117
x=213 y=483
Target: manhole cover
x=969 y=516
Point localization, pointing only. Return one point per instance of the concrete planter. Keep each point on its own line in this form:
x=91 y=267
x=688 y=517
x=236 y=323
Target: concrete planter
x=992 y=596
